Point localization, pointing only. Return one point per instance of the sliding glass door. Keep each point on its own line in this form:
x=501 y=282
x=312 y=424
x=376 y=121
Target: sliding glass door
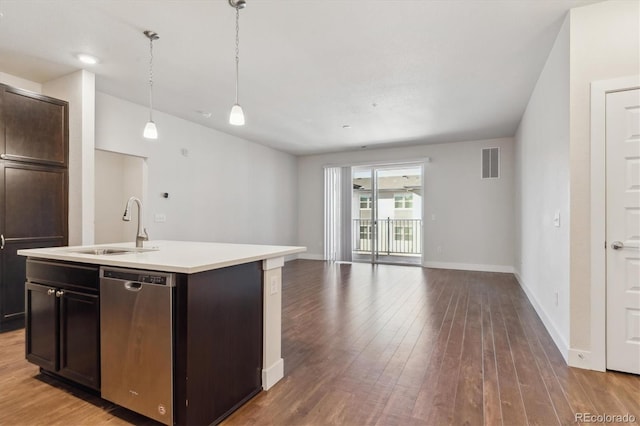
x=387 y=214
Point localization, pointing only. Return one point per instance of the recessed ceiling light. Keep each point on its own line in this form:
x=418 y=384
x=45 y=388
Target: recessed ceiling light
x=205 y=114
x=346 y=126
x=87 y=59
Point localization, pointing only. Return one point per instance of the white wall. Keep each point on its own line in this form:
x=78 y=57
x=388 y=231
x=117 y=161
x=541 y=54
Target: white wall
x=78 y=88
x=605 y=44
x=224 y=189
x=542 y=189
x=21 y=83
x=117 y=177
x=474 y=217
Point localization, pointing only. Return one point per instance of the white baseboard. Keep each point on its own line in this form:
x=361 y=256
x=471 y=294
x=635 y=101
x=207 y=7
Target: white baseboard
x=310 y=256
x=580 y=359
x=273 y=374
x=469 y=267
x=561 y=344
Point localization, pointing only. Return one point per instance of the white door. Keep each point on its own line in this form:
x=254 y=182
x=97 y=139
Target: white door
x=623 y=230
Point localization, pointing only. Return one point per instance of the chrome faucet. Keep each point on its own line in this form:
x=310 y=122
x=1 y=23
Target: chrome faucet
x=142 y=232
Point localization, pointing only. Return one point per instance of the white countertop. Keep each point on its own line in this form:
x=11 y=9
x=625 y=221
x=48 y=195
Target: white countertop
x=171 y=256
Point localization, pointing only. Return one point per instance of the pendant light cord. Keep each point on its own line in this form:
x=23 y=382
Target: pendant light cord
x=150 y=78
x=237 y=48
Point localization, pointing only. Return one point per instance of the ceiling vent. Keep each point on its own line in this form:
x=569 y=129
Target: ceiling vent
x=490 y=163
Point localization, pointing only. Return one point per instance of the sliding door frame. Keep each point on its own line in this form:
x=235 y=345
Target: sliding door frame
x=376 y=166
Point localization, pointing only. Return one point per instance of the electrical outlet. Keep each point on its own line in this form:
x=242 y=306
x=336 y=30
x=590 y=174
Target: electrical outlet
x=274 y=285
x=439 y=249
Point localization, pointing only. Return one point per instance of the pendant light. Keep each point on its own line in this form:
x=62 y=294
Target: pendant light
x=236 y=117
x=150 y=130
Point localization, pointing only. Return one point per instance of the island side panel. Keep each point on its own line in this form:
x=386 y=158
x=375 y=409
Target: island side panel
x=223 y=341
x=272 y=362
x=180 y=350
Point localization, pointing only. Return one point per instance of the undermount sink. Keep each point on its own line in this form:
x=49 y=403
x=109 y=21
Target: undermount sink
x=111 y=251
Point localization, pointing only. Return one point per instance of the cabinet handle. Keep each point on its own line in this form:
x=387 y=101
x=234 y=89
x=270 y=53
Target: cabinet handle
x=2 y=241
x=50 y=292
x=59 y=293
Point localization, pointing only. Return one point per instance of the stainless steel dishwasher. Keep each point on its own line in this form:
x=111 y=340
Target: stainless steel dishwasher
x=137 y=341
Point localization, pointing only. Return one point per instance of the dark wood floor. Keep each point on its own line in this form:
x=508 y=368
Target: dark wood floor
x=386 y=345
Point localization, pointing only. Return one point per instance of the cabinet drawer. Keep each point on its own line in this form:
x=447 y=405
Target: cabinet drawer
x=62 y=274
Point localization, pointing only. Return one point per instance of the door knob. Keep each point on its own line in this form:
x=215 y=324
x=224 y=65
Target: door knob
x=50 y=292
x=59 y=293
x=617 y=245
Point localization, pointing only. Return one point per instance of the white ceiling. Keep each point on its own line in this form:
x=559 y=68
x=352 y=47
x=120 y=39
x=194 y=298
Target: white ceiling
x=396 y=71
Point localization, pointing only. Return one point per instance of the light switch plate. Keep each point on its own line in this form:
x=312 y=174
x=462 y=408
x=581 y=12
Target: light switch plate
x=160 y=217
x=556 y=219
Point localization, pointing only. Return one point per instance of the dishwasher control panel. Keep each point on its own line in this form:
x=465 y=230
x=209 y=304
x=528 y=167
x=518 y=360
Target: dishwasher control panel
x=138 y=276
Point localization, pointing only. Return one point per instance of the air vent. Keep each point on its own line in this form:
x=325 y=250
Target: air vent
x=490 y=163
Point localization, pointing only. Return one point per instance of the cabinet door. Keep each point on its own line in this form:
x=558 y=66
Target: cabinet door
x=12 y=281
x=33 y=214
x=35 y=203
x=35 y=127
x=12 y=273
x=42 y=326
x=80 y=338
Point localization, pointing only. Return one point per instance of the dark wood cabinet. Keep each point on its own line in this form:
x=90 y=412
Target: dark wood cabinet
x=35 y=202
x=217 y=331
x=33 y=188
x=218 y=342
x=42 y=340
x=79 y=320
x=12 y=273
x=63 y=320
x=34 y=127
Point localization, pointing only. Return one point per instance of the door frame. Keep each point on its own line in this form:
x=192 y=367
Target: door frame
x=423 y=161
x=391 y=165
x=599 y=91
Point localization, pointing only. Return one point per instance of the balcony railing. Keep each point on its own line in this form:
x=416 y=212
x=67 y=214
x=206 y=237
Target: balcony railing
x=393 y=236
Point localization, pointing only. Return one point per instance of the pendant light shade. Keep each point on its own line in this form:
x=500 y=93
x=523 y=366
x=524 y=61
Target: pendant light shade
x=150 y=130
x=236 y=117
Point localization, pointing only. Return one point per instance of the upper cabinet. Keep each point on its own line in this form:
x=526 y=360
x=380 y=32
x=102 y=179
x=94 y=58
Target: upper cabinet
x=33 y=128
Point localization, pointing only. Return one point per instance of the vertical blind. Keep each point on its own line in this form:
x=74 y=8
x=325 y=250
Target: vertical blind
x=337 y=213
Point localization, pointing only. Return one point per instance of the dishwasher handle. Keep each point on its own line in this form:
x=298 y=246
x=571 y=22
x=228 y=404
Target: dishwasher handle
x=133 y=285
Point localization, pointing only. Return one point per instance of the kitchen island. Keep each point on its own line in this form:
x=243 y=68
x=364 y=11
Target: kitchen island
x=223 y=314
